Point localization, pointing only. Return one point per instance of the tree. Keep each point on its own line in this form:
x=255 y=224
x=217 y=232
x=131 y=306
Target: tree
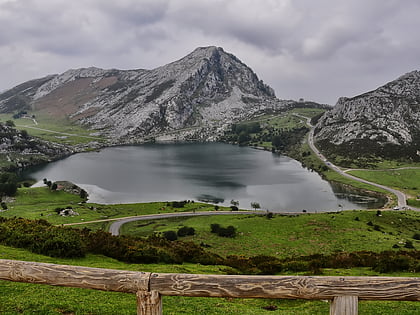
x=24 y=134
x=277 y=142
x=255 y=205
x=49 y=183
x=54 y=186
x=170 y=235
x=83 y=194
x=244 y=137
x=234 y=202
x=8 y=184
x=10 y=123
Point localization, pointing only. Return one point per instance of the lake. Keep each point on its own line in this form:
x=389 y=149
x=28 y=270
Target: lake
x=199 y=171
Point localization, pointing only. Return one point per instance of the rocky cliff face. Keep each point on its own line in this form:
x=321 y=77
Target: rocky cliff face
x=19 y=150
x=383 y=122
x=192 y=98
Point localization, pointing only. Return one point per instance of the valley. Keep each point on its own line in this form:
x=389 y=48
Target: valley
x=367 y=144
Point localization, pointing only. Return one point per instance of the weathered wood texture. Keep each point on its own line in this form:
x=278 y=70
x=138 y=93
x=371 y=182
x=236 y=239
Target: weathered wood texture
x=344 y=305
x=287 y=287
x=149 y=303
x=74 y=276
x=282 y=287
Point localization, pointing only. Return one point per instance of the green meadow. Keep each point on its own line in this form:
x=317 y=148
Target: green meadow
x=295 y=235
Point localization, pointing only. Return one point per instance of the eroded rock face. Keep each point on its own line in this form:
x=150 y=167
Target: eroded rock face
x=383 y=121
x=199 y=94
x=19 y=150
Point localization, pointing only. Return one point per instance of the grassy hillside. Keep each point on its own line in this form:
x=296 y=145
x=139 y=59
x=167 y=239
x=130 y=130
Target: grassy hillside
x=288 y=236
x=19 y=298
x=407 y=180
x=59 y=130
x=41 y=203
x=280 y=236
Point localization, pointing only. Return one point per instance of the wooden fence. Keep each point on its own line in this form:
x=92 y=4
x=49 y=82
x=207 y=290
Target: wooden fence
x=344 y=292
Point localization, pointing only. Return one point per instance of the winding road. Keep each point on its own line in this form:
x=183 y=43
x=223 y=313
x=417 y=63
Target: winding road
x=114 y=229
x=402 y=201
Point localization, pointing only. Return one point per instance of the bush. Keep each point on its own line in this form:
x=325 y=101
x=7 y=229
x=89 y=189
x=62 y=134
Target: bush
x=170 y=235
x=409 y=244
x=215 y=228
x=185 y=230
x=230 y=231
x=179 y=204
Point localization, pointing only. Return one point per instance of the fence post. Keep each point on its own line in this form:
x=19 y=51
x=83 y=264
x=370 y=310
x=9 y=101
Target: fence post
x=344 y=305
x=149 y=303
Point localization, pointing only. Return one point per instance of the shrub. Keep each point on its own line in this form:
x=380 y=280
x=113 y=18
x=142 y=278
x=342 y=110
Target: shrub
x=230 y=231
x=185 y=230
x=179 y=204
x=416 y=236
x=408 y=244
x=170 y=235
x=215 y=228
x=269 y=215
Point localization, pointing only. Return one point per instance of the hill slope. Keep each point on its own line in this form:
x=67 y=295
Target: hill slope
x=18 y=149
x=384 y=122
x=200 y=93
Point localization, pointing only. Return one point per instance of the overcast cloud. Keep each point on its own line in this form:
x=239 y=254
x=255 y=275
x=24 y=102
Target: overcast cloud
x=319 y=50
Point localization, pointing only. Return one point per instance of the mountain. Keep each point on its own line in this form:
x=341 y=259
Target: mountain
x=384 y=122
x=195 y=97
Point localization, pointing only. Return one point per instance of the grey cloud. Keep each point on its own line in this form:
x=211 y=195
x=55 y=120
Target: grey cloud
x=314 y=49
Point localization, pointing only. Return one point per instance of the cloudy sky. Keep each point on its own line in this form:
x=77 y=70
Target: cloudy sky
x=319 y=50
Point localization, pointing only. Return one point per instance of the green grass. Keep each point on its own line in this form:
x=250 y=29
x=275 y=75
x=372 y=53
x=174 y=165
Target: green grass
x=312 y=161
x=22 y=298
x=407 y=180
x=55 y=127
x=308 y=112
x=288 y=236
x=40 y=203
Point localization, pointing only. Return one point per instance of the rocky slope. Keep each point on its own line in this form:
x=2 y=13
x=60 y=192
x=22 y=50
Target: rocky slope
x=19 y=150
x=195 y=97
x=384 y=122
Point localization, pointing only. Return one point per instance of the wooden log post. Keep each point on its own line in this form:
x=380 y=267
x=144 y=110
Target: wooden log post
x=286 y=287
x=149 y=303
x=74 y=276
x=344 y=305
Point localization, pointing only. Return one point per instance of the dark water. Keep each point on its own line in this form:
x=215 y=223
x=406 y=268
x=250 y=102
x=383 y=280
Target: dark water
x=211 y=172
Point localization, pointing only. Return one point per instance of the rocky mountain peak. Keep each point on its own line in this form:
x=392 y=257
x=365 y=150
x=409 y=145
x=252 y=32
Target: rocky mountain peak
x=385 y=121
x=192 y=97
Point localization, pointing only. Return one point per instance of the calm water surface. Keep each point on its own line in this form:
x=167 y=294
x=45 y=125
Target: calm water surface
x=213 y=171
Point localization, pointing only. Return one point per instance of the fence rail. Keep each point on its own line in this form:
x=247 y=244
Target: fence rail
x=344 y=292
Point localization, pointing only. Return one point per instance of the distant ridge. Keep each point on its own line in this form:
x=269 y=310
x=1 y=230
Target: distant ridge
x=195 y=97
x=384 y=122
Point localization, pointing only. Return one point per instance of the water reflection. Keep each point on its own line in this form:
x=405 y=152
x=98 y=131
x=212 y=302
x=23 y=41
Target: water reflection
x=212 y=171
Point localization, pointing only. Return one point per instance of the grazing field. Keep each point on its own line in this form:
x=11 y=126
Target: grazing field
x=280 y=236
x=288 y=236
x=59 y=131
x=407 y=180
x=41 y=203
